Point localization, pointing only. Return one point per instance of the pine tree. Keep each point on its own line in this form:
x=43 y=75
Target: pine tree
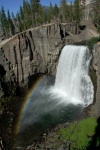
x=96 y=14
x=42 y=17
x=20 y=18
x=25 y=14
x=13 y=18
x=4 y=22
x=77 y=12
x=34 y=10
x=56 y=11
x=0 y=20
x=63 y=9
x=20 y=24
x=71 y=14
x=21 y=11
x=11 y=27
x=50 y=12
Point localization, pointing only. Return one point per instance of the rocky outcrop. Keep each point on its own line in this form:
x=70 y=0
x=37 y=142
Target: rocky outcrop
x=34 y=51
x=96 y=66
x=2 y=35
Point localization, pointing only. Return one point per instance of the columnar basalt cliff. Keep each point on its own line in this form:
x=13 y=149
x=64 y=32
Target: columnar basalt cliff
x=33 y=51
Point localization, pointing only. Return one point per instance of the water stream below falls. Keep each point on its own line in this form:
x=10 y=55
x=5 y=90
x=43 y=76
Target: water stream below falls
x=52 y=103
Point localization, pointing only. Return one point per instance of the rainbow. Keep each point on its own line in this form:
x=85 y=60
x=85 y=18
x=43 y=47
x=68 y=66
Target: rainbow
x=25 y=104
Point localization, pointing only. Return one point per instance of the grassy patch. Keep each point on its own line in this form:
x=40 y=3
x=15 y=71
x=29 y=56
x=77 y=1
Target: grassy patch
x=79 y=134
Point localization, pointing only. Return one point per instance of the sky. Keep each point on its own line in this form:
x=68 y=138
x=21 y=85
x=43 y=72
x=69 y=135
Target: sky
x=13 y=5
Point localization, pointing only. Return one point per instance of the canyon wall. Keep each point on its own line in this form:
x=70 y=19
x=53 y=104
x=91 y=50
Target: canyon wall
x=33 y=51
x=96 y=67
x=37 y=50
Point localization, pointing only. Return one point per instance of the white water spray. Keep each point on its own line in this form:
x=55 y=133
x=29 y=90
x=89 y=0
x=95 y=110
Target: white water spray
x=73 y=84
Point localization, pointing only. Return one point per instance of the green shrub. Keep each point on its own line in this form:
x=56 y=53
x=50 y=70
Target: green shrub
x=92 y=41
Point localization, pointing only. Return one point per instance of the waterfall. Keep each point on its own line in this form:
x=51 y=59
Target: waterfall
x=73 y=83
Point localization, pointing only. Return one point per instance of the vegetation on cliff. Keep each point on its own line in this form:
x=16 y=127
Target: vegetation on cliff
x=91 y=42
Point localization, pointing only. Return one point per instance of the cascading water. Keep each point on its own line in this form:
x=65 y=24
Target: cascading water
x=73 y=83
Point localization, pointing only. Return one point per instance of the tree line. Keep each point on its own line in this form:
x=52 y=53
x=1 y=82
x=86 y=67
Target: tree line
x=6 y=23
x=31 y=14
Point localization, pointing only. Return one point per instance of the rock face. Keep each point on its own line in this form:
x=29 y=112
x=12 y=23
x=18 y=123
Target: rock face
x=2 y=36
x=96 y=66
x=34 y=51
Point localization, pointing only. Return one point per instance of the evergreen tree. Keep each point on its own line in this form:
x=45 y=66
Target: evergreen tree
x=20 y=24
x=29 y=20
x=77 y=12
x=0 y=20
x=13 y=18
x=71 y=14
x=21 y=11
x=4 y=22
x=96 y=14
x=63 y=9
x=42 y=17
x=25 y=14
x=50 y=12
x=11 y=27
x=56 y=11
x=34 y=10
x=20 y=18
